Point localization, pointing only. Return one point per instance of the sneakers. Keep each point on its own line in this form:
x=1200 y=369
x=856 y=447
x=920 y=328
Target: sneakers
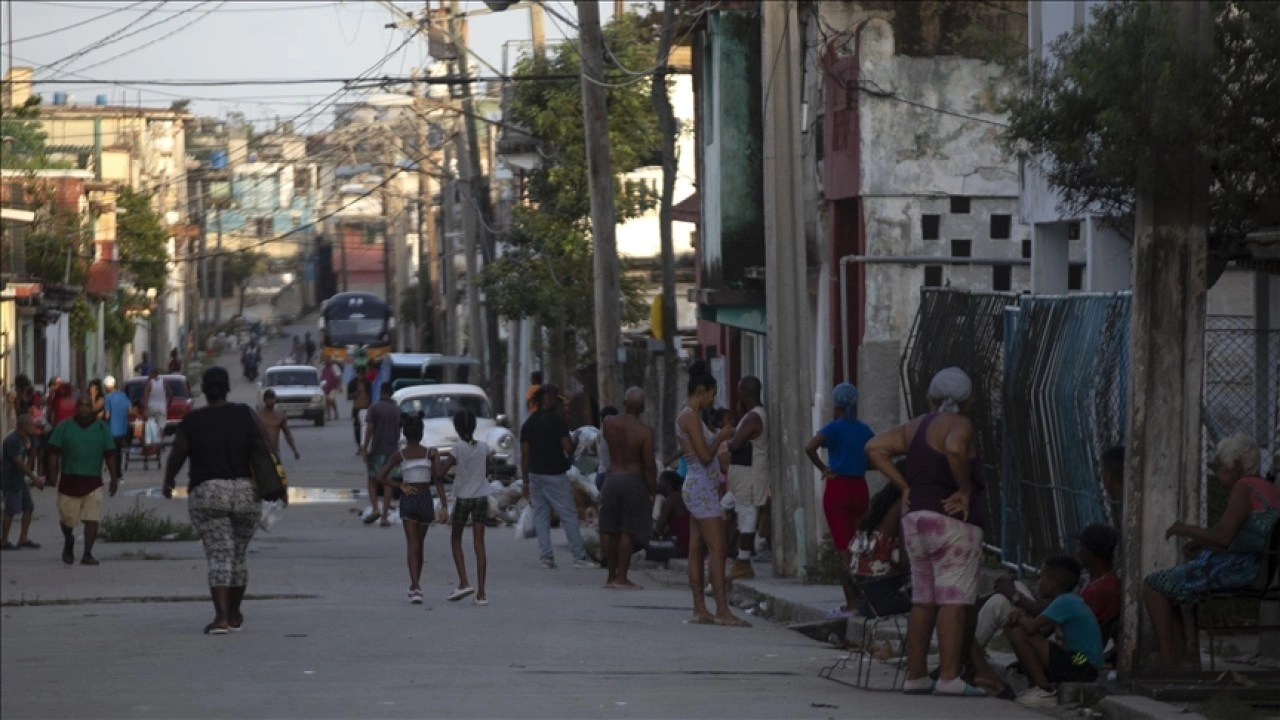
x=547 y=564
x=587 y=565
x=741 y=570
x=1038 y=698
x=415 y=596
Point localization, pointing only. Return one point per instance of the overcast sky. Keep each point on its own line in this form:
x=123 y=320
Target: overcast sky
x=236 y=40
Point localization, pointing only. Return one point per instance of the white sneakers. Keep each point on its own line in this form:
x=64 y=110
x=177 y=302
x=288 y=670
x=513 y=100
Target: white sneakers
x=1038 y=698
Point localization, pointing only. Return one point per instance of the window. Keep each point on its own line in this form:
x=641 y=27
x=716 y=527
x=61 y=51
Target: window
x=962 y=248
x=959 y=206
x=1075 y=276
x=1073 y=231
x=1002 y=278
x=930 y=226
x=265 y=227
x=1001 y=227
x=933 y=276
x=1026 y=249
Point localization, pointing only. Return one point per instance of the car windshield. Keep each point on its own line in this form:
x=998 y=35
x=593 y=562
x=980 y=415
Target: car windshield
x=444 y=406
x=285 y=378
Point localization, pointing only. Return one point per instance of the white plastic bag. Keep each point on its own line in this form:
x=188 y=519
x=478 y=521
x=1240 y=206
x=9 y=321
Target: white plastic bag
x=151 y=432
x=271 y=512
x=524 y=528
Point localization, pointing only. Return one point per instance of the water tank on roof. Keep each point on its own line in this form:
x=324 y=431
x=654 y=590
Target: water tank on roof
x=100 y=101
x=59 y=98
x=218 y=159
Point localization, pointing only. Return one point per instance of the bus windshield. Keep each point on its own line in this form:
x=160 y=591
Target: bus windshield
x=354 y=319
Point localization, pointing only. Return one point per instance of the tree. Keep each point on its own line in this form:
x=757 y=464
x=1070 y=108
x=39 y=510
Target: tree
x=24 y=137
x=57 y=247
x=1113 y=94
x=546 y=269
x=142 y=241
x=238 y=268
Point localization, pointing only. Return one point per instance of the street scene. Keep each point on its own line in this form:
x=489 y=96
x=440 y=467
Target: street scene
x=619 y=359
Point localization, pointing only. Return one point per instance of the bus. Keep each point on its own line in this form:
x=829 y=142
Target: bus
x=355 y=320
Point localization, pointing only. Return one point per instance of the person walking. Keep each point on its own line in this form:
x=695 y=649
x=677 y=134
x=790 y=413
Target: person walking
x=845 y=496
x=175 y=363
x=330 y=381
x=275 y=422
x=630 y=484
x=944 y=513
x=546 y=452
x=219 y=440
x=98 y=398
x=469 y=459
x=143 y=368
x=309 y=349
x=360 y=393
x=115 y=409
x=381 y=440
x=155 y=399
x=702 y=498
x=15 y=470
x=748 y=459
x=417 y=511
x=77 y=450
x=295 y=353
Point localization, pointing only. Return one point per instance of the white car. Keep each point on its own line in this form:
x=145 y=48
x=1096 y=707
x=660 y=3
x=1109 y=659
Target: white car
x=438 y=403
x=298 y=391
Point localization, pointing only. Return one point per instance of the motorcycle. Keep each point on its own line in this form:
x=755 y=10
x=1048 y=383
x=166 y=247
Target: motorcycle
x=250 y=362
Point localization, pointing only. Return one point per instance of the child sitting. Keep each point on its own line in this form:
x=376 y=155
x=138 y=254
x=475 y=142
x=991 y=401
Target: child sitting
x=877 y=559
x=1047 y=663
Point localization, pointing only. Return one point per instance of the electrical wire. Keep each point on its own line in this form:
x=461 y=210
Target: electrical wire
x=73 y=26
x=254 y=7
x=104 y=41
x=162 y=38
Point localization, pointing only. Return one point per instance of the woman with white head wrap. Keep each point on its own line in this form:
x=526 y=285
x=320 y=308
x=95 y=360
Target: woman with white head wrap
x=845 y=496
x=942 y=526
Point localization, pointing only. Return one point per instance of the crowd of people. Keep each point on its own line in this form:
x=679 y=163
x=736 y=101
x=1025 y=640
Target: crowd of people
x=915 y=547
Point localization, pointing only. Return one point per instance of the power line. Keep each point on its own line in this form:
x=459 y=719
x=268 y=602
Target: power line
x=74 y=25
x=261 y=7
x=103 y=42
x=162 y=38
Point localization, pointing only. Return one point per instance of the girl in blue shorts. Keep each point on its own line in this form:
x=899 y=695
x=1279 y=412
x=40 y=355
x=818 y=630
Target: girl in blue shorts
x=417 y=511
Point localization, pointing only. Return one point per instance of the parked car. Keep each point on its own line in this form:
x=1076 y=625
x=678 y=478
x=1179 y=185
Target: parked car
x=298 y=391
x=438 y=403
x=180 y=403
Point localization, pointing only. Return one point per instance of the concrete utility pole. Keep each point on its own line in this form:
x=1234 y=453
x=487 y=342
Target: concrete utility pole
x=795 y=519
x=600 y=176
x=448 y=253
x=667 y=124
x=536 y=30
x=217 y=272
x=1163 y=472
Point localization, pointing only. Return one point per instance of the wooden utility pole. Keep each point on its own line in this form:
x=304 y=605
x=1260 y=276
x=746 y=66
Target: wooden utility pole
x=600 y=176
x=1163 y=470
x=790 y=391
x=667 y=126
x=447 y=254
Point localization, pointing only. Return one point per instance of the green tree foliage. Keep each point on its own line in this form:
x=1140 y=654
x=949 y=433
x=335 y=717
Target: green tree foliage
x=546 y=269
x=58 y=244
x=238 y=268
x=118 y=326
x=24 y=137
x=1128 y=89
x=142 y=241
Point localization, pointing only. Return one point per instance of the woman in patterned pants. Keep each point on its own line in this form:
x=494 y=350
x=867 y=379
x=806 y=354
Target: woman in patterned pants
x=224 y=506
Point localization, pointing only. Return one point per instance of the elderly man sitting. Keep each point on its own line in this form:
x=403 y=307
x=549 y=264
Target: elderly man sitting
x=1224 y=557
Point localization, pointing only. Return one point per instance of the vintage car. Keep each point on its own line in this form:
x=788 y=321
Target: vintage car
x=438 y=403
x=298 y=391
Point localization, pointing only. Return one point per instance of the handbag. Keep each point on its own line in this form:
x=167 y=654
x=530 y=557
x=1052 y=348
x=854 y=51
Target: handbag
x=270 y=481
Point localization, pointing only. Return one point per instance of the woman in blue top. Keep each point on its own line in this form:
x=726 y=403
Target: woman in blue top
x=845 y=497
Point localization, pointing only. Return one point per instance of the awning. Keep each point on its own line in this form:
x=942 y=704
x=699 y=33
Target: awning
x=688 y=210
x=743 y=317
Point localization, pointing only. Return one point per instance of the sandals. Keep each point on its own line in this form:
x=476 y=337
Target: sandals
x=461 y=593
x=481 y=601
x=213 y=629
x=966 y=691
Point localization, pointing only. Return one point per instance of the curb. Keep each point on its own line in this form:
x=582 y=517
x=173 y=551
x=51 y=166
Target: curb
x=1137 y=707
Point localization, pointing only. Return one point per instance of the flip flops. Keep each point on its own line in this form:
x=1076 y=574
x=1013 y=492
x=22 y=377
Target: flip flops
x=213 y=629
x=461 y=593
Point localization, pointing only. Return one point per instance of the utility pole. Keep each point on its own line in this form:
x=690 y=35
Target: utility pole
x=430 y=296
x=619 y=7
x=1163 y=472
x=535 y=30
x=217 y=272
x=787 y=297
x=447 y=202
x=667 y=126
x=600 y=177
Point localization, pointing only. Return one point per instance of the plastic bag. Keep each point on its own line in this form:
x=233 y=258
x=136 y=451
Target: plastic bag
x=524 y=528
x=151 y=432
x=271 y=512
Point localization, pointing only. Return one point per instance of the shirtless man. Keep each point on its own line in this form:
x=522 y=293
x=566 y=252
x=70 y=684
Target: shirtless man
x=626 y=501
x=275 y=422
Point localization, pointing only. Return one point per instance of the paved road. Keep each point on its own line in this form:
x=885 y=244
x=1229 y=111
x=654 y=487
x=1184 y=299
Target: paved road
x=331 y=634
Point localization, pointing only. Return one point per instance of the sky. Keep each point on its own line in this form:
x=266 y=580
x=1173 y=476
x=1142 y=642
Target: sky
x=238 y=40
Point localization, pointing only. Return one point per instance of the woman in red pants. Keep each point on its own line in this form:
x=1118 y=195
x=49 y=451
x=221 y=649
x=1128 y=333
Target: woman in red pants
x=845 y=497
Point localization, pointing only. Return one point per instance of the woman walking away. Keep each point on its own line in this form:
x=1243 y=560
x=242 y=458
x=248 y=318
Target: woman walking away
x=219 y=439
x=470 y=461
x=845 y=497
x=98 y=398
x=417 y=511
x=702 y=498
x=944 y=513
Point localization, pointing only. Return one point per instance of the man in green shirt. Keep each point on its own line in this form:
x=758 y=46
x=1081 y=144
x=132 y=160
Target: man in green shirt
x=78 y=449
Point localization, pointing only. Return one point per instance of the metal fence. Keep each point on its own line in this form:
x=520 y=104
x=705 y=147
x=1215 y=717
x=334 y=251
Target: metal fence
x=1050 y=386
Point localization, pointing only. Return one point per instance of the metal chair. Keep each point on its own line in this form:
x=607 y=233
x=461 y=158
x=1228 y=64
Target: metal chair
x=870 y=630
x=1265 y=588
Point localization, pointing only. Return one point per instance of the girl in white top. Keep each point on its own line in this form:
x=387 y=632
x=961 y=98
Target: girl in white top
x=470 y=460
x=417 y=511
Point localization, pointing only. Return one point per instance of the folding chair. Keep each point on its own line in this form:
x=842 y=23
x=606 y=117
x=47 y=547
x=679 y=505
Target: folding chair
x=870 y=630
x=1264 y=588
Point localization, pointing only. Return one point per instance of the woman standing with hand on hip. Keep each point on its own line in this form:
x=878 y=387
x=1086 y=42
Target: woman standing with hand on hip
x=944 y=512
x=220 y=440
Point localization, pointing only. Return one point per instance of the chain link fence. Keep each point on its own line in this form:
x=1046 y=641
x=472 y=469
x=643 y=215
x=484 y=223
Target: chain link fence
x=1050 y=396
